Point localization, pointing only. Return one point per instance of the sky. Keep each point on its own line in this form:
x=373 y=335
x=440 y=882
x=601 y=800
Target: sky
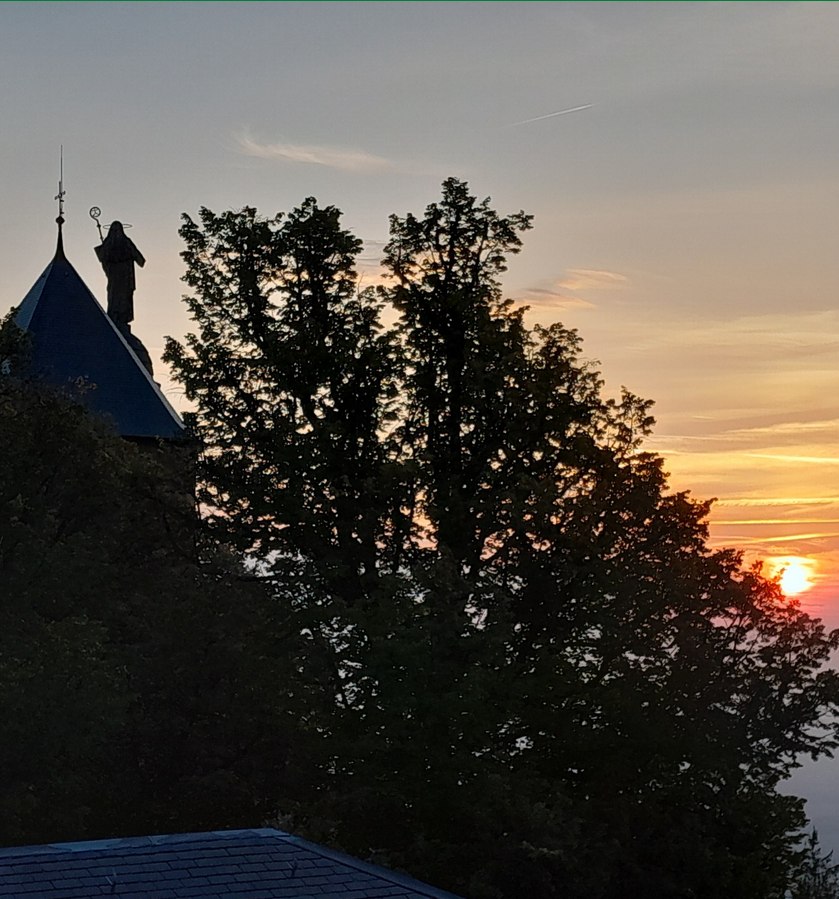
x=685 y=221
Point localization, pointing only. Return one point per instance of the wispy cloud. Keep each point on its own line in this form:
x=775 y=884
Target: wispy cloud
x=809 y=332
x=809 y=460
x=591 y=279
x=778 y=501
x=347 y=160
x=784 y=538
x=369 y=264
x=762 y=522
x=553 y=299
x=554 y=293
x=792 y=428
x=766 y=439
x=372 y=252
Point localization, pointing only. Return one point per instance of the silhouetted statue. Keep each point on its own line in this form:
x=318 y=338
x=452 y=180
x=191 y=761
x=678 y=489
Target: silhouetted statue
x=118 y=254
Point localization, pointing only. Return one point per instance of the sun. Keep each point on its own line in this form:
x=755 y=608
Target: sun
x=796 y=573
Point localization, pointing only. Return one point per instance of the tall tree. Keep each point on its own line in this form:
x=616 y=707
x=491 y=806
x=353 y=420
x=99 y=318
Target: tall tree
x=532 y=672
x=294 y=382
x=626 y=633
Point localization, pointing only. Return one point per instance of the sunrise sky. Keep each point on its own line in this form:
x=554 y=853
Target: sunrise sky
x=686 y=222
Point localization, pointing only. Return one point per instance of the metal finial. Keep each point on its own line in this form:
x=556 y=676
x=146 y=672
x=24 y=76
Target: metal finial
x=61 y=191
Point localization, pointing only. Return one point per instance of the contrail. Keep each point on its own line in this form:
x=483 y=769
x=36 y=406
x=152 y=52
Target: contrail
x=550 y=115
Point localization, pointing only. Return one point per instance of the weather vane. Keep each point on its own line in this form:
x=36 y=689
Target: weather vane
x=95 y=212
x=60 y=195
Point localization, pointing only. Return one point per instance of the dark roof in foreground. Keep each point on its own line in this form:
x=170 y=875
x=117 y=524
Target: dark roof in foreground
x=73 y=338
x=235 y=864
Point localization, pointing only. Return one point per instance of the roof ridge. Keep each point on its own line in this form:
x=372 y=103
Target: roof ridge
x=139 y=842
x=146 y=373
x=29 y=303
x=396 y=877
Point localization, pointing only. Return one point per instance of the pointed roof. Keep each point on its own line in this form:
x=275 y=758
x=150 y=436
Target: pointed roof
x=73 y=338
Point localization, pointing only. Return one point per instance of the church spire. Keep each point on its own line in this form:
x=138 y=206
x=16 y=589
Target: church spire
x=59 y=249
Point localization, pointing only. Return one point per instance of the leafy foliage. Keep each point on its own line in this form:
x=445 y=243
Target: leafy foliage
x=133 y=682
x=817 y=877
x=443 y=611
x=538 y=677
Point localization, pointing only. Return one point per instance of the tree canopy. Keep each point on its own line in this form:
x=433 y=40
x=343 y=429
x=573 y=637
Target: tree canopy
x=134 y=687
x=539 y=677
x=442 y=610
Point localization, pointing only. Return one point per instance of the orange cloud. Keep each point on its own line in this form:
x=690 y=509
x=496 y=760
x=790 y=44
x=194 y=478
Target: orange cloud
x=779 y=501
x=809 y=460
x=591 y=279
x=552 y=299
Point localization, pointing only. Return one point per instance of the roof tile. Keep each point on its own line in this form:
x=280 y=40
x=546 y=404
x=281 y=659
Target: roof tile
x=208 y=865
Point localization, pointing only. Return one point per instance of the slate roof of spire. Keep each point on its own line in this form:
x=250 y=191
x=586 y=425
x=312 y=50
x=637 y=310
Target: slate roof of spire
x=236 y=864
x=73 y=338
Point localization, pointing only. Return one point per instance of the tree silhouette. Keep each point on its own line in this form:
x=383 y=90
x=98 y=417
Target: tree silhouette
x=138 y=688
x=817 y=877
x=529 y=672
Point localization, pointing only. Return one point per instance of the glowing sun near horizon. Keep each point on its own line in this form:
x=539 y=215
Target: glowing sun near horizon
x=796 y=573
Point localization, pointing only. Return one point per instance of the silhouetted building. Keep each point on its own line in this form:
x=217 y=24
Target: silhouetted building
x=76 y=345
